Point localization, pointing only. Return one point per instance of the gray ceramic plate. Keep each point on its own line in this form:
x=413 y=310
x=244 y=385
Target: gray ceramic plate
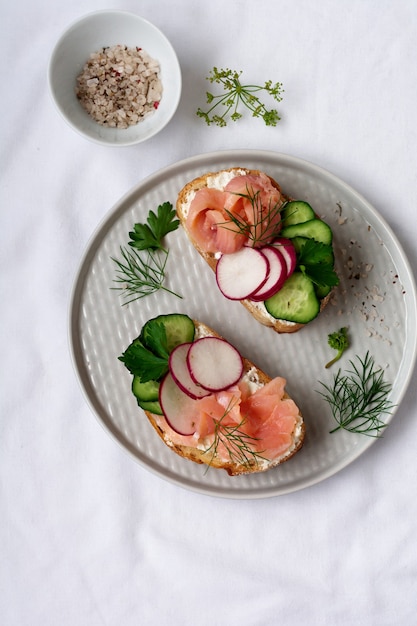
x=376 y=299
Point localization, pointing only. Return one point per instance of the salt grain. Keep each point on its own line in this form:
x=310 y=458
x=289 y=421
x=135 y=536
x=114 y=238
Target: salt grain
x=119 y=86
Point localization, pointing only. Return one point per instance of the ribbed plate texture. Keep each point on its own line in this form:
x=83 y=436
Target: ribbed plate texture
x=376 y=300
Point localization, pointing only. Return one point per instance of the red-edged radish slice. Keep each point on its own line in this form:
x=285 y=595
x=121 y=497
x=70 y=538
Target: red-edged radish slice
x=181 y=374
x=277 y=275
x=178 y=408
x=287 y=249
x=241 y=273
x=214 y=363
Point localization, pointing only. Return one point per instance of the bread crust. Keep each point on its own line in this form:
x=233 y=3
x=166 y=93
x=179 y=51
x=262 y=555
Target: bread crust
x=201 y=456
x=183 y=199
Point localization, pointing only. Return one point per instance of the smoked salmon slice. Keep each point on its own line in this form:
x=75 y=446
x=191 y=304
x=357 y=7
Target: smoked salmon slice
x=210 y=225
x=264 y=417
x=224 y=220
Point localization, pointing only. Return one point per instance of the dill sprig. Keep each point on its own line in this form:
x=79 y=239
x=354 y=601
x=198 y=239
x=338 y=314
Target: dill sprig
x=359 y=398
x=142 y=270
x=239 y=445
x=265 y=223
x=235 y=94
x=140 y=275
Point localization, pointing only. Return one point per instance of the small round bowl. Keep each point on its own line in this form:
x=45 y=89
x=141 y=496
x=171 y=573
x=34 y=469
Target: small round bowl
x=90 y=34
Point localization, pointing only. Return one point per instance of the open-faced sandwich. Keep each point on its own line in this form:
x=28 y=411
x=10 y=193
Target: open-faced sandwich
x=269 y=252
x=207 y=402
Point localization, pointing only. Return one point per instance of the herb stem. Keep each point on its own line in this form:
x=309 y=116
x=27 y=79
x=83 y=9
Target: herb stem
x=235 y=94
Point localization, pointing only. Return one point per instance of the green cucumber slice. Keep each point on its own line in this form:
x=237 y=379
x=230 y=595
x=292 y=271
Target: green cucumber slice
x=296 y=301
x=298 y=243
x=146 y=392
x=313 y=229
x=152 y=407
x=179 y=329
x=296 y=212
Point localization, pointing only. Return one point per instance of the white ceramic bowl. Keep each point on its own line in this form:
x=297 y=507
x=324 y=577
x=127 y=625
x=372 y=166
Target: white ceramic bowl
x=109 y=28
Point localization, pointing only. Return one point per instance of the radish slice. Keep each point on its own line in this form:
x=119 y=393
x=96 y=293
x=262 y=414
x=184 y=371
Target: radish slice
x=178 y=408
x=287 y=249
x=241 y=273
x=277 y=275
x=181 y=374
x=214 y=363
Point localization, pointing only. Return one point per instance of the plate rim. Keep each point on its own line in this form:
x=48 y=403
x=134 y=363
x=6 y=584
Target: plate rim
x=111 y=217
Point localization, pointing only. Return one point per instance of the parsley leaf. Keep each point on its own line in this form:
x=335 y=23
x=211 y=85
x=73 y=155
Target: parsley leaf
x=315 y=260
x=339 y=341
x=143 y=363
x=321 y=274
x=154 y=337
x=164 y=222
x=313 y=252
x=149 y=235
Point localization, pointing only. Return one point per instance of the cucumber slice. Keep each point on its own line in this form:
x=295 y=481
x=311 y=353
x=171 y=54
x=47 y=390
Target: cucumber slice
x=152 y=406
x=296 y=301
x=322 y=290
x=298 y=243
x=146 y=392
x=313 y=229
x=179 y=329
x=296 y=212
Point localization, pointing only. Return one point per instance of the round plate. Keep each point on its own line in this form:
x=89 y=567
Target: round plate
x=376 y=300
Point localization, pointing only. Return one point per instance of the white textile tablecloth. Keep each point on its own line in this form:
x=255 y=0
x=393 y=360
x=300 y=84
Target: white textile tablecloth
x=88 y=536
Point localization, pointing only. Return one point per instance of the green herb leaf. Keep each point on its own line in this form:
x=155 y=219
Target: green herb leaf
x=155 y=338
x=359 y=397
x=313 y=252
x=142 y=237
x=338 y=341
x=315 y=260
x=234 y=94
x=150 y=235
x=143 y=362
x=321 y=274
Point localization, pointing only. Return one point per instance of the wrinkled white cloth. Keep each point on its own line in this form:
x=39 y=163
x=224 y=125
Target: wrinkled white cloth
x=88 y=536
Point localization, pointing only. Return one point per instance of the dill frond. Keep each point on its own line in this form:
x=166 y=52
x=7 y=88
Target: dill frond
x=266 y=220
x=139 y=275
x=239 y=445
x=359 y=398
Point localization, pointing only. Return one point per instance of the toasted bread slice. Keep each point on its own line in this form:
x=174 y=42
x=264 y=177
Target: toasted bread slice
x=219 y=180
x=202 y=450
